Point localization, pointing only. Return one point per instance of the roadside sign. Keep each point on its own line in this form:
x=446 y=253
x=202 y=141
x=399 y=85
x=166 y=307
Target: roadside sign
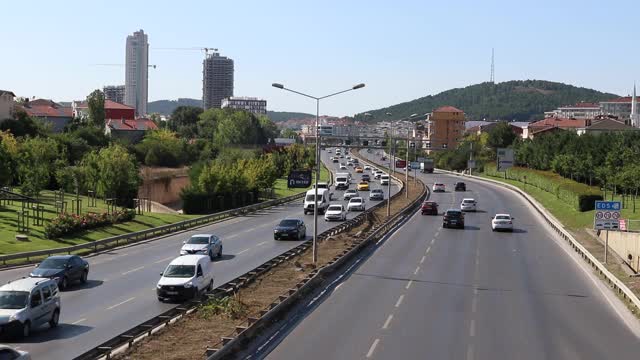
x=471 y=164
x=505 y=159
x=415 y=165
x=622 y=224
x=421 y=159
x=607 y=215
x=299 y=179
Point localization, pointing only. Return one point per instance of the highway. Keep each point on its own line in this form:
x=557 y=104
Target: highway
x=120 y=292
x=434 y=293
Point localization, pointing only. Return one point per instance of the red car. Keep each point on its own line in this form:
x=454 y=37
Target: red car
x=429 y=208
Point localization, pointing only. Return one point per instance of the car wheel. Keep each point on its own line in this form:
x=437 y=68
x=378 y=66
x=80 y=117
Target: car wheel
x=305 y=212
x=210 y=287
x=275 y=238
x=160 y=299
x=64 y=283
x=26 y=329
x=54 y=319
x=83 y=279
x=211 y=257
x=220 y=252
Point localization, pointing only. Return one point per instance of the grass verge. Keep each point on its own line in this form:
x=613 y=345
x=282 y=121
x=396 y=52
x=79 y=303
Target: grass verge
x=281 y=190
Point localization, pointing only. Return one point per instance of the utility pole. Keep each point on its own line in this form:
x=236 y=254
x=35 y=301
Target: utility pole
x=406 y=169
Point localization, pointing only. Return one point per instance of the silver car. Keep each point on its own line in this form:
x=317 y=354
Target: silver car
x=203 y=244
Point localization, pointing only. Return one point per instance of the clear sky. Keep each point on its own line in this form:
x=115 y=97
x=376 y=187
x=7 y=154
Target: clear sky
x=401 y=49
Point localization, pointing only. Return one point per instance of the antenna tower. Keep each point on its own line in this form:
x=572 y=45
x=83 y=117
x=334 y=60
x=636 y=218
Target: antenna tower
x=493 y=75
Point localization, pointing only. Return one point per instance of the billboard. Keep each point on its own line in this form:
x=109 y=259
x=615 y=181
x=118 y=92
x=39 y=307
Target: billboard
x=299 y=179
x=505 y=159
x=401 y=163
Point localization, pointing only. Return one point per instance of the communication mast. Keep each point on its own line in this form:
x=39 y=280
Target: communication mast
x=493 y=75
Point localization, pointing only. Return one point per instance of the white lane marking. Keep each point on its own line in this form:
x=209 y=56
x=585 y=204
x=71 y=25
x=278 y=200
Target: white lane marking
x=399 y=301
x=432 y=241
x=78 y=321
x=409 y=284
x=416 y=272
x=243 y=251
x=437 y=233
x=373 y=348
x=163 y=260
x=422 y=260
x=475 y=291
x=472 y=328
x=132 y=270
x=386 y=323
x=474 y=304
x=118 y=304
x=428 y=249
x=470 y=352
x=262 y=243
x=339 y=285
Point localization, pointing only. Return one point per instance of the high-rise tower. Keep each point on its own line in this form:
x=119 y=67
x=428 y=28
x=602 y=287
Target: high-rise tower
x=137 y=72
x=635 y=117
x=217 y=80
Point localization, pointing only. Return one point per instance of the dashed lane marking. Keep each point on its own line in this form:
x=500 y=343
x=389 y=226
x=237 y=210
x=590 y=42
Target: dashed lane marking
x=386 y=323
x=409 y=284
x=422 y=260
x=399 y=301
x=373 y=348
x=133 y=270
x=243 y=251
x=417 y=270
x=121 y=303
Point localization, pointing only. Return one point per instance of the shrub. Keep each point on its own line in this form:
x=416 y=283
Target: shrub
x=66 y=224
x=581 y=196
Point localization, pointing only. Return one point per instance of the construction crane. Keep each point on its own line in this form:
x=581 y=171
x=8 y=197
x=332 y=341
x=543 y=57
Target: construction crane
x=151 y=66
x=205 y=49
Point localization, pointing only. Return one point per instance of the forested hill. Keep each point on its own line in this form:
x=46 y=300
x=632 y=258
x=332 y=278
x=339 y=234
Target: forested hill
x=512 y=100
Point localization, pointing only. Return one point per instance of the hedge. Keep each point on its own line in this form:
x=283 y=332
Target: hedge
x=66 y=224
x=580 y=196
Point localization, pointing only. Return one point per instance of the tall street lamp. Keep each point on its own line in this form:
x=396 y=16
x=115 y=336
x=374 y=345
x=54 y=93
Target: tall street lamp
x=315 y=207
x=392 y=144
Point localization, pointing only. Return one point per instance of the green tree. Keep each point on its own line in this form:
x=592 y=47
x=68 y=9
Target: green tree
x=36 y=163
x=501 y=136
x=184 y=120
x=119 y=176
x=162 y=148
x=289 y=134
x=95 y=102
x=8 y=158
x=23 y=125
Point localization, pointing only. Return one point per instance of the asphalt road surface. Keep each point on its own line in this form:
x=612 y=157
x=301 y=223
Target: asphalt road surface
x=434 y=293
x=120 y=292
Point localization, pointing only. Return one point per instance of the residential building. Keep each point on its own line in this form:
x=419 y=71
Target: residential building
x=129 y=130
x=620 y=108
x=136 y=79
x=604 y=124
x=6 y=104
x=582 y=110
x=544 y=125
x=114 y=93
x=50 y=112
x=112 y=110
x=445 y=128
x=217 y=80
x=250 y=104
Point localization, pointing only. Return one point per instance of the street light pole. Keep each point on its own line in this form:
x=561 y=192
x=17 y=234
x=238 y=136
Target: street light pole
x=392 y=145
x=318 y=136
x=406 y=170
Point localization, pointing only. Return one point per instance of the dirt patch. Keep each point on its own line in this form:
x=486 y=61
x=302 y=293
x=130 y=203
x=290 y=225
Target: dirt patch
x=190 y=337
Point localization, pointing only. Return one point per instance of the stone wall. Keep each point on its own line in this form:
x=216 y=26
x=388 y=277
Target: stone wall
x=164 y=190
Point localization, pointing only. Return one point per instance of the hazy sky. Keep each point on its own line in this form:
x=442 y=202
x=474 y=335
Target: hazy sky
x=401 y=49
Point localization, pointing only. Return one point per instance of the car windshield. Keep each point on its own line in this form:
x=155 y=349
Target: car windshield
x=310 y=197
x=351 y=191
x=180 y=271
x=356 y=200
x=335 y=208
x=453 y=213
x=468 y=200
x=13 y=299
x=377 y=191
x=198 y=240
x=288 y=222
x=503 y=217
x=341 y=179
x=53 y=264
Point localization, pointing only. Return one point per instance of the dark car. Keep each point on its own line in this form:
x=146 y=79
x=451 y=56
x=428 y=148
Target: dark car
x=366 y=177
x=429 y=208
x=63 y=268
x=290 y=229
x=453 y=218
x=460 y=186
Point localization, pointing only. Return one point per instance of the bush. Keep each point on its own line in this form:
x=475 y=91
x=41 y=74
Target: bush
x=66 y=224
x=582 y=197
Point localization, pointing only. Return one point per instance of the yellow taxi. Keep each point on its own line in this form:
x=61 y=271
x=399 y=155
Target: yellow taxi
x=363 y=186
x=359 y=169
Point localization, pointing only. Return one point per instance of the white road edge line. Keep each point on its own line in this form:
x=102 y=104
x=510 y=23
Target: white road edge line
x=386 y=323
x=399 y=301
x=243 y=251
x=124 y=302
x=132 y=270
x=472 y=328
x=78 y=321
x=373 y=348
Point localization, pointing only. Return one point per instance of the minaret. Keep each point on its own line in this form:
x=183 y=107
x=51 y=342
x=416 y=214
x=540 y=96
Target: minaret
x=635 y=119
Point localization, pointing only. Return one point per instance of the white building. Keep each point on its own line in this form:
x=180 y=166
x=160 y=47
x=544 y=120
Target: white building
x=136 y=80
x=635 y=117
x=6 y=104
x=250 y=104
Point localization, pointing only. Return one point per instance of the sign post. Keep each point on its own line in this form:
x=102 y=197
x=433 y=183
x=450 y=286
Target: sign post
x=505 y=159
x=607 y=217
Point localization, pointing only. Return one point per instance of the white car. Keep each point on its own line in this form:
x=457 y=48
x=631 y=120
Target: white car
x=7 y=352
x=367 y=167
x=384 y=179
x=335 y=212
x=438 y=187
x=349 y=193
x=203 y=244
x=502 y=222
x=468 y=204
x=377 y=174
x=356 y=203
x=343 y=167
x=328 y=151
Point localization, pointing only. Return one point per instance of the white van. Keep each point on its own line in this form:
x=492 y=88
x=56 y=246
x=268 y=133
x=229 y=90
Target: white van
x=186 y=277
x=384 y=179
x=344 y=174
x=342 y=182
x=322 y=201
x=324 y=185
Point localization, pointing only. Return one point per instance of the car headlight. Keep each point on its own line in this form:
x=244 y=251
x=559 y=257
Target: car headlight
x=158 y=286
x=188 y=285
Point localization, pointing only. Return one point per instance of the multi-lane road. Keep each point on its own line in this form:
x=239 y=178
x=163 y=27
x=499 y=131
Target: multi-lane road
x=434 y=293
x=120 y=292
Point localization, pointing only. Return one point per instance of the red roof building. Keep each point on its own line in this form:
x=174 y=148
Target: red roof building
x=49 y=112
x=112 y=110
x=447 y=109
x=554 y=122
x=131 y=130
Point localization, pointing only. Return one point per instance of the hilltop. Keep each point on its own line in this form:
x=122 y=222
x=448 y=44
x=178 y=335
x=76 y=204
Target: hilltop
x=520 y=100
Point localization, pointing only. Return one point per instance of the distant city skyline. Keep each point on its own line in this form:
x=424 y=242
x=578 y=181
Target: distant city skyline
x=401 y=52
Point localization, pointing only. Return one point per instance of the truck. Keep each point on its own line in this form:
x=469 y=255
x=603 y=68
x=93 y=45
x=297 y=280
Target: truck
x=427 y=166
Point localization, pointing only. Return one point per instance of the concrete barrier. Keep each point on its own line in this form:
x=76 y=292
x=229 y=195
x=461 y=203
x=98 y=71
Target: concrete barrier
x=626 y=245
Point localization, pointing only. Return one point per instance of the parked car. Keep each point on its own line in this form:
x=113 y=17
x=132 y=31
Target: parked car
x=356 y=203
x=429 y=208
x=335 y=212
x=64 y=269
x=350 y=193
x=27 y=304
x=203 y=244
x=460 y=186
x=376 y=194
x=8 y=353
x=468 y=204
x=502 y=222
x=453 y=218
x=438 y=187
x=363 y=186
x=290 y=229
x=186 y=277
x=366 y=177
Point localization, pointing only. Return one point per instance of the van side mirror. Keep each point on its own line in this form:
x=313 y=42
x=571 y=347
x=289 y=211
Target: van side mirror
x=161 y=273
x=184 y=242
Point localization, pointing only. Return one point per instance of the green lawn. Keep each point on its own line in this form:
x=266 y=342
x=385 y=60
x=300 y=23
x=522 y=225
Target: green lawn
x=281 y=190
x=566 y=214
x=37 y=241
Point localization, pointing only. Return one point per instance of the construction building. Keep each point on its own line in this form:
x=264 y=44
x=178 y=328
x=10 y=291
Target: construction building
x=217 y=80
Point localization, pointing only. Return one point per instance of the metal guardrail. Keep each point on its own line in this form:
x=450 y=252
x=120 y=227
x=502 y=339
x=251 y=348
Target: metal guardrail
x=613 y=281
x=132 y=237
